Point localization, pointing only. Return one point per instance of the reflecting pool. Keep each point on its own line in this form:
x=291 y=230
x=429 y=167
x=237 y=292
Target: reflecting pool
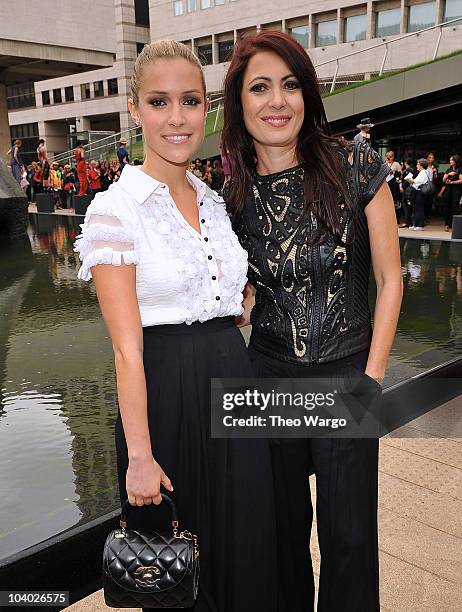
x=57 y=387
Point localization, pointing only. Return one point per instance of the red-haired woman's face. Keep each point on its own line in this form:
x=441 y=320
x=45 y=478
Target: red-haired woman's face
x=272 y=101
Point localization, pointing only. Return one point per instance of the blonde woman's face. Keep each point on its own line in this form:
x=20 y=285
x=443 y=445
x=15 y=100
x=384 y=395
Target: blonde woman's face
x=172 y=108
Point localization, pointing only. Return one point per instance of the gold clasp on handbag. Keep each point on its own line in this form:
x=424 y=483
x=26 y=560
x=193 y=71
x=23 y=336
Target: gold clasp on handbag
x=186 y=535
x=145 y=575
x=123 y=527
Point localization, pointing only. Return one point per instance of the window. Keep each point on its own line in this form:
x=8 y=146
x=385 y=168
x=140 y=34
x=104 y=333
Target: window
x=139 y=48
x=355 y=28
x=326 y=33
x=388 y=22
x=191 y=4
x=177 y=7
x=452 y=10
x=225 y=49
x=29 y=134
x=69 y=93
x=142 y=12
x=112 y=87
x=45 y=98
x=205 y=54
x=85 y=91
x=300 y=33
x=219 y=2
x=20 y=96
x=421 y=16
x=98 y=89
x=205 y=4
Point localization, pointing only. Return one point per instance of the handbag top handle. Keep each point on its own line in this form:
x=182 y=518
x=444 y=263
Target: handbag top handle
x=165 y=498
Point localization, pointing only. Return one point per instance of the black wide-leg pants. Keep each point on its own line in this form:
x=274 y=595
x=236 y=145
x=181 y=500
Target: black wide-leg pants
x=223 y=488
x=346 y=506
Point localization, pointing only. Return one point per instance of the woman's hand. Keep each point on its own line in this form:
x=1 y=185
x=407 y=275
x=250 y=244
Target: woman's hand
x=377 y=376
x=143 y=480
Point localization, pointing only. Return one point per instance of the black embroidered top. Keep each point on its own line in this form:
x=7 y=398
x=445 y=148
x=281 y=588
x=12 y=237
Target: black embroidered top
x=311 y=300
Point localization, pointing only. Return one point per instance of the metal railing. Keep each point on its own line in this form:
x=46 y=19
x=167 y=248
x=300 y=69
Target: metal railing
x=379 y=68
x=107 y=146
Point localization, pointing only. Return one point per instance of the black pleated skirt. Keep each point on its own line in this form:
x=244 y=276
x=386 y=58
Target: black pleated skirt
x=223 y=489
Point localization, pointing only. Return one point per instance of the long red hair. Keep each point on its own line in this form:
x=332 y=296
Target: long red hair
x=317 y=150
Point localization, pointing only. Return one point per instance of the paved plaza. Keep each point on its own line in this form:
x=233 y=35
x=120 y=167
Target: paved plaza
x=420 y=517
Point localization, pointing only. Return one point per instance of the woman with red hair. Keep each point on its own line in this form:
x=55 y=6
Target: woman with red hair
x=311 y=210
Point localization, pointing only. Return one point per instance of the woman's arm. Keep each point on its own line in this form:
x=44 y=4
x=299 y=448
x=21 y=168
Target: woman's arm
x=420 y=179
x=115 y=287
x=386 y=263
x=248 y=302
x=458 y=181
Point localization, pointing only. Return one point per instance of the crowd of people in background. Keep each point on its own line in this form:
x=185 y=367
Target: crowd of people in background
x=419 y=189
x=211 y=172
x=63 y=181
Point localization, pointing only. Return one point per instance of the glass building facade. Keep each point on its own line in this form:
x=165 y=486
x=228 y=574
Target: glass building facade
x=300 y=33
x=388 y=22
x=326 y=33
x=421 y=16
x=355 y=28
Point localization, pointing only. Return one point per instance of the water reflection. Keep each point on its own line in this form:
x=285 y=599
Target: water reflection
x=430 y=326
x=57 y=391
x=57 y=383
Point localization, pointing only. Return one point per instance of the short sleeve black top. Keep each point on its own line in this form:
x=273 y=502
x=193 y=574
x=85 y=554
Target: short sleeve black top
x=311 y=300
x=455 y=189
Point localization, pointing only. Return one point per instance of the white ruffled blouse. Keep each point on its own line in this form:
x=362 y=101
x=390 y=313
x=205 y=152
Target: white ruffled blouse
x=181 y=276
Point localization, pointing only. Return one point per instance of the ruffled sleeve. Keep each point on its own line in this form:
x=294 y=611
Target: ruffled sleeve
x=108 y=235
x=370 y=172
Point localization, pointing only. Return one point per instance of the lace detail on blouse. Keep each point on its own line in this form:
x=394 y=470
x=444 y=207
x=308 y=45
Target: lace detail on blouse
x=105 y=239
x=308 y=296
x=182 y=276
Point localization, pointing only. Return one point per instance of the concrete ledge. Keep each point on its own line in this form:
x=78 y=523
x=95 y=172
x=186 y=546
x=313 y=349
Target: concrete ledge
x=423 y=80
x=54 y=53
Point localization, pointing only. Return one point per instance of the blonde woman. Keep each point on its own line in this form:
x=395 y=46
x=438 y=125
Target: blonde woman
x=169 y=274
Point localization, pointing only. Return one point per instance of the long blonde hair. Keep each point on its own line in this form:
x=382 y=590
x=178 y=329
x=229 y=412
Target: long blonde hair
x=161 y=49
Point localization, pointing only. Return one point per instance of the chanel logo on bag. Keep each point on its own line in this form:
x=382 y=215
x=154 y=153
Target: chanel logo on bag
x=144 y=575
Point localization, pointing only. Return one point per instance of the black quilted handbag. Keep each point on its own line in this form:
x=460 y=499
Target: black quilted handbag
x=150 y=570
